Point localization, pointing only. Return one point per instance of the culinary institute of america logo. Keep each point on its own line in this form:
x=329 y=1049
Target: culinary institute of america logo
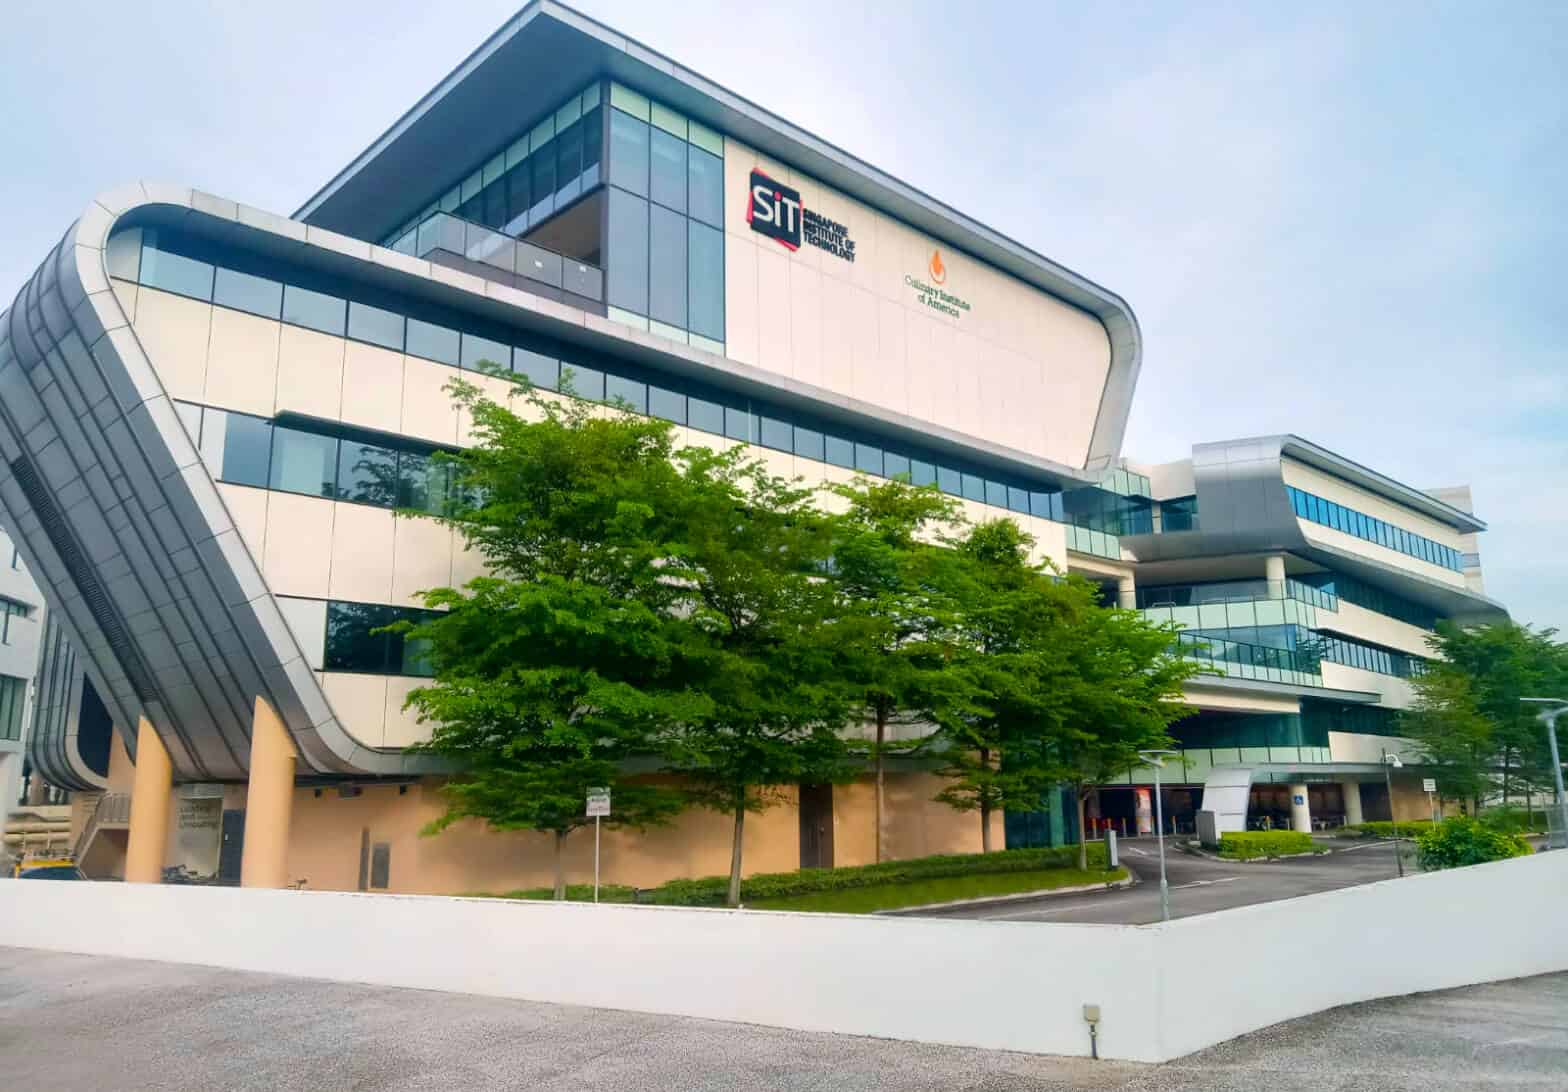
x=938 y=270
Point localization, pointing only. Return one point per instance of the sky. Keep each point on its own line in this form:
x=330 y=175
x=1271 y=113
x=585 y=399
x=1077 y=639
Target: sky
x=1344 y=221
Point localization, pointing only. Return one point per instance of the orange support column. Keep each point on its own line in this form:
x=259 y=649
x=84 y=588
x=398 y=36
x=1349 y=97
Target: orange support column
x=269 y=802
x=151 y=789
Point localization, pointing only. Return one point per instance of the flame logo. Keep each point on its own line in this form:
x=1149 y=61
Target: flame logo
x=938 y=270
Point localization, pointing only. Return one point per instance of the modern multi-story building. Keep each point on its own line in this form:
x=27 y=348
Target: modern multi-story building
x=208 y=414
x=21 y=618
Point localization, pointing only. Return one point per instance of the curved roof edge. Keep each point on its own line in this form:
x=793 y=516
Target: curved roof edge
x=624 y=58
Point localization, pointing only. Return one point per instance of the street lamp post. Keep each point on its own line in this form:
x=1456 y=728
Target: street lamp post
x=1390 y=764
x=1157 y=760
x=1557 y=838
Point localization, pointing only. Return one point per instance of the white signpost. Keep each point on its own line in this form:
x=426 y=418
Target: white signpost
x=598 y=807
x=1429 y=786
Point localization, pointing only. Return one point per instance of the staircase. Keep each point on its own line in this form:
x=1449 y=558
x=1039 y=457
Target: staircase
x=105 y=831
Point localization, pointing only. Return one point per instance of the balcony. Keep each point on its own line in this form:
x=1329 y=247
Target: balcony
x=473 y=248
x=1259 y=663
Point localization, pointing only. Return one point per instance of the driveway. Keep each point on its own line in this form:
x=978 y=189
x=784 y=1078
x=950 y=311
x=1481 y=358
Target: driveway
x=87 y=1023
x=1200 y=885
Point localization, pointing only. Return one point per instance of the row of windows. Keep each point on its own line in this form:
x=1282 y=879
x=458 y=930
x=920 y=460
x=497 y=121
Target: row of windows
x=1248 y=730
x=1231 y=591
x=1369 y=657
x=1179 y=514
x=352 y=643
x=244 y=450
x=1364 y=595
x=9 y=609
x=13 y=691
x=177 y=264
x=1325 y=717
x=1310 y=507
x=1260 y=660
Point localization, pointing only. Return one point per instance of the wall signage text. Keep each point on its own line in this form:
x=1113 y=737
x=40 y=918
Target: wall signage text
x=929 y=292
x=774 y=209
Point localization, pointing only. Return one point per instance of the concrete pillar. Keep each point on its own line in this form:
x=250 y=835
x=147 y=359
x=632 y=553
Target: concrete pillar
x=1274 y=573
x=1126 y=593
x=1300 y=812
x=1352 y=791
x=269 y=801
x=151 y=789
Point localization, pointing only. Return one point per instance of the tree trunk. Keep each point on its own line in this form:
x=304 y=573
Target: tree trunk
x=1083 y=834
x=881 y=738
x=740 y=828
x=985 y=806
x=1507 y=768
x=560 y=868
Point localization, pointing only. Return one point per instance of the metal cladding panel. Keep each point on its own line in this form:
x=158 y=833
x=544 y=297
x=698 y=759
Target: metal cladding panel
x=151 y=593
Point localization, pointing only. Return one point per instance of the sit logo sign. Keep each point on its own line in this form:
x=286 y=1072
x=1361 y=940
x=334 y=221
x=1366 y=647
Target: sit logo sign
x=774 y=210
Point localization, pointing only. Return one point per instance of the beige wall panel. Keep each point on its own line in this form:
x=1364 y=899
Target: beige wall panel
x=428 y=412
x=1396 y=692
x=248 y=509
x=1358 y=747
x=310 y=373
x=1380 y=629
x=360 y=702
x=125 y=293
x=500 y=391
x=1212 y=697
x=422 y=559
x=297 y=558
x=362 y=544
x=808 y=361
x=1335 y=489
x=1322 y=534
x=242 y=362
x=859 y=313
x=741 y=319
x=174 y=332
x=402 y=725
x=902 y=366
x=466 y=563
x=372 y=387
x=773 y=314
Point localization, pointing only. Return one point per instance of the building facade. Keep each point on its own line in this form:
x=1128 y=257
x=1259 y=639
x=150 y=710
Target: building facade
x=21 y=625
x=208 y=414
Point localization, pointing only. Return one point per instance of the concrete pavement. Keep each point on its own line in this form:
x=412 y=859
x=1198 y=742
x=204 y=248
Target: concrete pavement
x=77 y=1022
x=1199 y=885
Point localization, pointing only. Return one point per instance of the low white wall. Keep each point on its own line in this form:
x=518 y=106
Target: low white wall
x=1164 y=990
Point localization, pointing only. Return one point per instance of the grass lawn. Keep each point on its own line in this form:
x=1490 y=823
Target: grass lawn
x=866 y=900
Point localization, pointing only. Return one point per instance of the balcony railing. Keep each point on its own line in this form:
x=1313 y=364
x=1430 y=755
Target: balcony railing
x=1258 y=662
x=474 y=248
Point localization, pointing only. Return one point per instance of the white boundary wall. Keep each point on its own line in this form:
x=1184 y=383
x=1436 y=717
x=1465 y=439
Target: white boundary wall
x=1164 y=990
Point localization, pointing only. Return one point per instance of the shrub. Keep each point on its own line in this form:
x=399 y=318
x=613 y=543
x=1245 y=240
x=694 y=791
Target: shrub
x=1382 y=828
x=711 y=890
x=1245 y=845
x=1457 y=842
x=1513 y=820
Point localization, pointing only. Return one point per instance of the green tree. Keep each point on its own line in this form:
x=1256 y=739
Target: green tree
x=566 y=664
x=1455 y=736
x=896 y=584
x=766 y=624
x=1460 y=841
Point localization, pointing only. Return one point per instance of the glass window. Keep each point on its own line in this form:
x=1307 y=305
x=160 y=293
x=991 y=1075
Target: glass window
x=1017 y=499
x=627 y=252
x=432 y=342
x=367 y=474
x=542 y=161
x=670 y=405
x=809 y=444
x=705 y=180
x=568 y=163
x=667 y=267
x=585 y=382
x=706 y=271
x=519 y=196
x=176 y=273
x=352 y=643
x=415 y=655
x=421 y=483
x=995 y=494
x=618 y=388
x=239 y=444
x=667 y=178
x=839 y=452
x=868 y=459
x=593 y=143
x=974 y=487
x=922 y=473
x=373 y=325
x=314 y=310
x=540 y=370
x=628 y=153
x=479 y=349
x=244 y=292
x=949 y=480
x=776 y=434
x=705 y=415
x=303 y=462
x=895 y=466
x=740 y=424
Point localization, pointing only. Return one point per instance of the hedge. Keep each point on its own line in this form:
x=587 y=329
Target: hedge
x=1457 y=842
x=1245 y=845
x=1408 y=828
x=711 y=890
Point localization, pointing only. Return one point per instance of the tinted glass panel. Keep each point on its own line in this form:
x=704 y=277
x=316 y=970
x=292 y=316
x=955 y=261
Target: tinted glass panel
x=669 y=405
x=667 y=267
x=629 y=391
x=895 y=466
x=667 y=180
x=996 y=494
x=627 y=252
x=477 y=350
x=974 y=487
x=519 y=197
x=367 y=474
x=705 y=173
x=176 y=273
x=593 y=138
x=314 y=310
x=838 y=451
x=244 y=292
x=421 y=482
x=809 y=444
x=706 y=271
x=352 y=644
x=568 y=159
x=246 y=445
x=628 y=152
x=432 y=342
x=868 y=459
x=775 y=433
x=378 y=327
x=541 y=370
x=585 y=382
x=949 y=480
x=543 y=163
x=303 y=462
x=705 y=415
x=739 y=424
x=921 y=473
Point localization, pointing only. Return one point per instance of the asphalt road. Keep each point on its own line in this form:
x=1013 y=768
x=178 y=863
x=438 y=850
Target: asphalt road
x=78 y=1022
x=1199 y=885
